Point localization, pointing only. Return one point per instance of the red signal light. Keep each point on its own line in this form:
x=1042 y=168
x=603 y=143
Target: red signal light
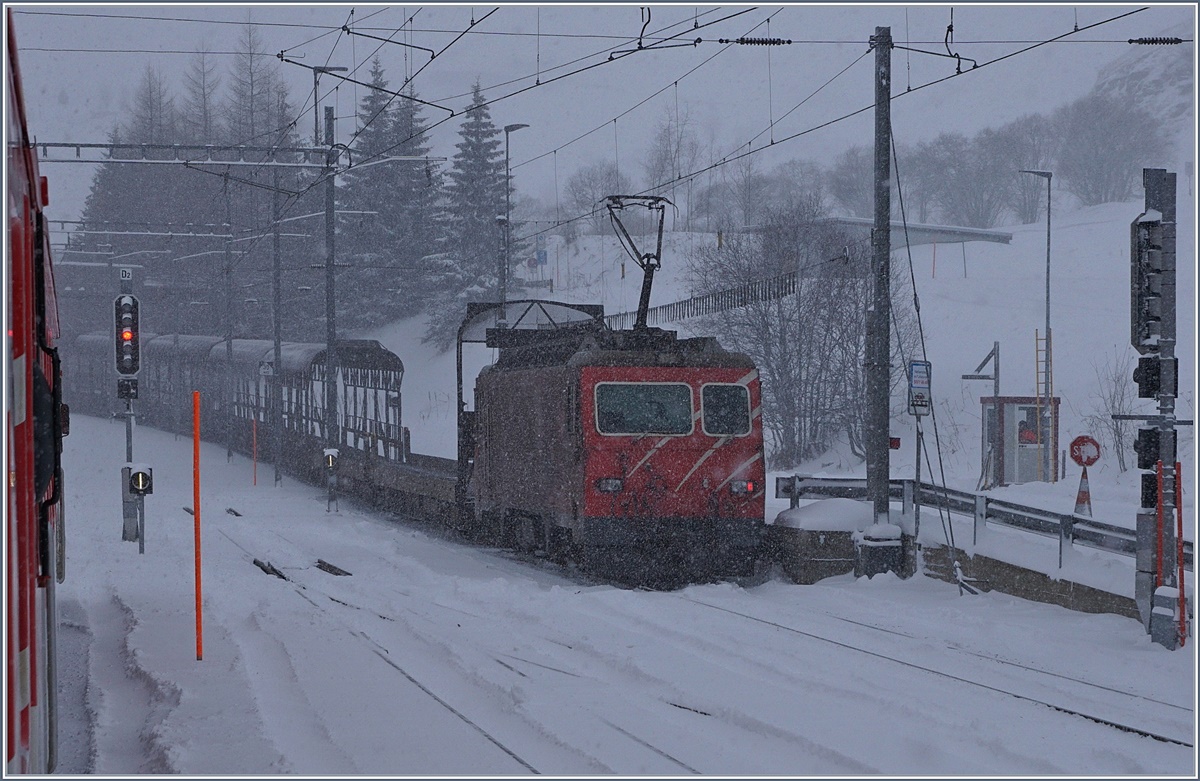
x=126 y=333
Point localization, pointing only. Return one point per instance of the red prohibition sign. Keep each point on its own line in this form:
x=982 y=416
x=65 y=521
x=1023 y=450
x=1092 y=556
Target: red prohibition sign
x=1085 y=451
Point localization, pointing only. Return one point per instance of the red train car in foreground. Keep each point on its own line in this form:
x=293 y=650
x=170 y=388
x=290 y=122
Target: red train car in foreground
x=35 y=422
x=637 y=453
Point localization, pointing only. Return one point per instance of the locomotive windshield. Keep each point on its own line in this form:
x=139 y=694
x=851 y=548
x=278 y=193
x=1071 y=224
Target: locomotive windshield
x=726 y=410
x=643 y=408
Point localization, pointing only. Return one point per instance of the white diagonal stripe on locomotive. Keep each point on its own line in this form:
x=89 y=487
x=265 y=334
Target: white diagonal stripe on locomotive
x=739 y=469
x=701 y=460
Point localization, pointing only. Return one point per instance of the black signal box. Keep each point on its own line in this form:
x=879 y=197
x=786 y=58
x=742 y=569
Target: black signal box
x=127 y=389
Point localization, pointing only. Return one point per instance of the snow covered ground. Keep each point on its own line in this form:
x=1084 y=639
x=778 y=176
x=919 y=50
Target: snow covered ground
x=435 y=657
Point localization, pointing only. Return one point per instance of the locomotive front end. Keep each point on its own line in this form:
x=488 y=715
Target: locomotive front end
x=673 y=478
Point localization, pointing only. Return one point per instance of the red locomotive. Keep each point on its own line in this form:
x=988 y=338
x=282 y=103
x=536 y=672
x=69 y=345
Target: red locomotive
x=35 y=423
x=637 y=453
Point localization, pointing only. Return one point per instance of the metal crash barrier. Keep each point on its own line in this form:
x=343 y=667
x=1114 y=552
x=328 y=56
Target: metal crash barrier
x=983 y=509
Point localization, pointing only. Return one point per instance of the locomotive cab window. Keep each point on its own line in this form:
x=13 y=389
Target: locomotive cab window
x=726 y=410
x=643 y=408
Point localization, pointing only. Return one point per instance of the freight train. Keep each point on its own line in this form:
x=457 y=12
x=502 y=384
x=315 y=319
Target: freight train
x=35 y=422
x=636 y=454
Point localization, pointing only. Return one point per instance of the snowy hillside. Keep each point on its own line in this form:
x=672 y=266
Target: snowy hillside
x=1160 y=81
x=971 y=295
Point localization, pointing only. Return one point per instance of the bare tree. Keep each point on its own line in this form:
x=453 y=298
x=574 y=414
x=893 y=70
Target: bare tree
x=1114 y=395
x=851 y=181
x=975 y=174
x=1104 y=144
x=153 y=118
x=1027 y=143
x=809 y=347
x=200 y=98
x=917 y=173
x=674 y=152
x=589 y=186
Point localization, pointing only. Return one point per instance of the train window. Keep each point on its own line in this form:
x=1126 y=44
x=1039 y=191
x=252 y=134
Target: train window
x=726 y=410
x=643 y=408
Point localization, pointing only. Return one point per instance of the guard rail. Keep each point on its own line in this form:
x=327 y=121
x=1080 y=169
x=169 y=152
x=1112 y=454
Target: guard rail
x=1068 y=528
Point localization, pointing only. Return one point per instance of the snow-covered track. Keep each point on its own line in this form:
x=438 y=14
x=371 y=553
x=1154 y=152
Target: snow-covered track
x=1108 y=722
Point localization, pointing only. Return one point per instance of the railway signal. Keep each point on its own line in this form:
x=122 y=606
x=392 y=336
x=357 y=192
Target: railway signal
x=329 y=457
x=127 y=389
x=128 y=339
x=1158 y=586
x=1152 y=282
x=141 y=480
x=136 y=482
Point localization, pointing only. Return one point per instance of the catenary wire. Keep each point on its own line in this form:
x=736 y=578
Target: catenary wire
x=733 y=158
x=636 y=106
x=526 y=89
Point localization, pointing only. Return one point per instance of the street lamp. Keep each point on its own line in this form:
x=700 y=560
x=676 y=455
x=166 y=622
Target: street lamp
x=1047 y=412
x=508 y=129
x=317 y=70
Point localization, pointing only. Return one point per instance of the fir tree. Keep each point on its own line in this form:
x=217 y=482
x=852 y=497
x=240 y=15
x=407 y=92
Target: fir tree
x=386 y=248
x=418 y=187
x=474 y=198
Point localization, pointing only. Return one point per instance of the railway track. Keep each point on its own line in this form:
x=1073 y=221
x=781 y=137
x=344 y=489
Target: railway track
x=1141 y=701
x=545 y=663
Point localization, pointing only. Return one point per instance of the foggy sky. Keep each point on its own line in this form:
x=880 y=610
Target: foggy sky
x=731 y=99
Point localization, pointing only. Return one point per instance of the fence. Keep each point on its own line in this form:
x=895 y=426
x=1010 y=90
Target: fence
x=720 y=301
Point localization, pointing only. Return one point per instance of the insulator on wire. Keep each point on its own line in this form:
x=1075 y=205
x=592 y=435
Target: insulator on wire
x=1156 y=41
x=756 y=41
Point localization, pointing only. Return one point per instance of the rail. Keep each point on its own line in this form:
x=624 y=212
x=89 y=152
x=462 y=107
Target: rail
x=1067 y=527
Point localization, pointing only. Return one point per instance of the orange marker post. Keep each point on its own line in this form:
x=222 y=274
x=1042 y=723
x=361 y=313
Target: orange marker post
x=196 y=517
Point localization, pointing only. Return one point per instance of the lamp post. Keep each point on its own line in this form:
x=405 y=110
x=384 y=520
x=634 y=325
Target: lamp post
x=317 y=71
x=1047 y=412
x=508 y=130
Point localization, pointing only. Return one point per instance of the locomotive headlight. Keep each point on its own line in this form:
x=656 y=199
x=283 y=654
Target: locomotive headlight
x=610 y=485
x=743 y=486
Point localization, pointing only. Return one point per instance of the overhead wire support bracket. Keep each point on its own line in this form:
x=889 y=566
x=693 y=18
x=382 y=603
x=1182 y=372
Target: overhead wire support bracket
x=205 y=153
x=346 y=29
x=375 y=87
x=653 y=47
x=957 y=57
